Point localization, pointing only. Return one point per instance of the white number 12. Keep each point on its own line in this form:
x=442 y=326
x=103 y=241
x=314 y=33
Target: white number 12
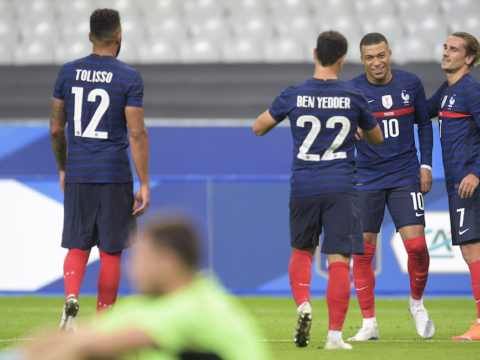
x=90 y=131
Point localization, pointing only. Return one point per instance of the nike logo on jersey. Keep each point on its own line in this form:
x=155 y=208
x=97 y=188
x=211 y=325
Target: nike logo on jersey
x=371 y=101
x=421 y=279
x=361 y=288
x=304 y=284
x=418 y=215
x=463 y=232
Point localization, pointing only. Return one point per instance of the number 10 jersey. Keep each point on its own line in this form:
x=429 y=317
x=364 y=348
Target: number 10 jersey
x=324 y=115
x=96 y=89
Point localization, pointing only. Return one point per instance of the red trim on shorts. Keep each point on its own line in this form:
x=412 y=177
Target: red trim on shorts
x=394 y=112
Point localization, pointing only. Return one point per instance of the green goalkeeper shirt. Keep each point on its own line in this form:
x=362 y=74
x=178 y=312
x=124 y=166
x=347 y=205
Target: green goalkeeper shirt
x=200 y=318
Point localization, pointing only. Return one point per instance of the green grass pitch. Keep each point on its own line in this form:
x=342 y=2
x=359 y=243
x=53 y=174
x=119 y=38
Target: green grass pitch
x=19 y=317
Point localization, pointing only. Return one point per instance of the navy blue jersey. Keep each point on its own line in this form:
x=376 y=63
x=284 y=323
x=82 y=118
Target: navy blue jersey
x=397 y=106
x=458 y=110
x=324 y=115
x=96 y=90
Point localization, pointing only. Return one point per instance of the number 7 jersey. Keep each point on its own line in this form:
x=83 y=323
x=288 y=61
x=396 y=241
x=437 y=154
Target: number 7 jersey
x=96 y=89
x=324 y=115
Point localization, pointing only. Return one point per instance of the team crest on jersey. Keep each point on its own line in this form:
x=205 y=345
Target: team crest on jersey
x=405 y=97
x=387 y=101
x=452 y=101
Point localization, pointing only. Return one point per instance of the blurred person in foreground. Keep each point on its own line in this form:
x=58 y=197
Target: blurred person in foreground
x=391 y=175
x=324 y=113
x=181 y=313
x=457 y=105
x=99 y=97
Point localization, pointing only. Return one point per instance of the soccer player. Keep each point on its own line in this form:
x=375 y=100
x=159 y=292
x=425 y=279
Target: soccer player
x=391 y=175
x=457 y=104
x=99 y=97
x=180 y=314
x=324 y=114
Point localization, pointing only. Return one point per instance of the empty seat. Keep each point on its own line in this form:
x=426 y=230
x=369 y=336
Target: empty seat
x=302 y=28
x=33 y=53
x=347 y=26
x=469 y=24
x=8 y=33
x=129 y=10
x=328 y=9
x=240 y=50
x=46 y=31
x=245 y=8
x=215 y=28
x=76 y=9
x=374 y=10
x=76 y=30
x=256 y=27
x=285 y=50
x=157 y=51
x=158 y=10
x=285 y=9
x=6 y=55
x=388 y=26
x=417 y=10
x=6 y=11
x=133 y=31
x=431 y=29
x=70 y=51
x=412 y=49
x=173 y=29
x=34 y=11
x=459 y=9
x=203 y=8
x=199 y=51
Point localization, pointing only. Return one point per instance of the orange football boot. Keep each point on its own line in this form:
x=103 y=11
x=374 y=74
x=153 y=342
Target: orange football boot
x=471 y=335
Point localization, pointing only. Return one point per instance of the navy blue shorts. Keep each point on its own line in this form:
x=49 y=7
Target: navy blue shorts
x=98 y=215
x=405 y=205
x=337 y=213
x=464 y=218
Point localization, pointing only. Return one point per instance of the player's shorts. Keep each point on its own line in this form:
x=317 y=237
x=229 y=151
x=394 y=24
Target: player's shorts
x=405 y=205
x=98 y=215
x=464 y=218
x=337 y=213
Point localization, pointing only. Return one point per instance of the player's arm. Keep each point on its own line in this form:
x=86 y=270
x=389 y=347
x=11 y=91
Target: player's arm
x=88 y=345
x=470 y=182
x=425 y=138
x=139 y=148
x=374 y=136
x=434 y=104
x=264 y=124
x=58 y=121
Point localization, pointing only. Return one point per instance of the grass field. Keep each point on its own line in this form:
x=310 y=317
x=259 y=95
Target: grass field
x=19 y=317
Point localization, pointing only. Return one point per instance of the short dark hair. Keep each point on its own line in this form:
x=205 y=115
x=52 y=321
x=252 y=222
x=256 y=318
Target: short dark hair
x=331 y=46
x=179 y=236
x=373 y=39
x=104 y=23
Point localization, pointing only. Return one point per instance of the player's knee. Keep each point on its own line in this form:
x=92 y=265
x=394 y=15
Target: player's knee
x=416 y=249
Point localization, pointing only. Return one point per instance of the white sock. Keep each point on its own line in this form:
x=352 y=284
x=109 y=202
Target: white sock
x=417 y=303
x=335 y=335
x=300 y=307
x=369 y=323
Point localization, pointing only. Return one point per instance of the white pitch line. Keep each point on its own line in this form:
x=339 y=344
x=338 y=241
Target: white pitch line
x=21 y=339
x=374 y=341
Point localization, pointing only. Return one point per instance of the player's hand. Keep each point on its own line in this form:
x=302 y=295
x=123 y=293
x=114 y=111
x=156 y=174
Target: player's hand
x=359 y=134
x=142 y=196
x=468 y=186
x=425 y=180
x=62 y=180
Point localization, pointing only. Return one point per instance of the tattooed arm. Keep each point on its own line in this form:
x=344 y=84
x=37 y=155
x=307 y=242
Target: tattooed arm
x=58 y=120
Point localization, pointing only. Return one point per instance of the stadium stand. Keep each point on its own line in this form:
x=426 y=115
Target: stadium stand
x=41 y=29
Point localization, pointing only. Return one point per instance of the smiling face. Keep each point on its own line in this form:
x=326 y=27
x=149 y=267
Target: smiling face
x=455 y=55
x=376 y=59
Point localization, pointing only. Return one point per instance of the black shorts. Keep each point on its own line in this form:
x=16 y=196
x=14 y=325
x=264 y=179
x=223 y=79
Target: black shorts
x=464 y=218
x=337 y=213
x=98 y=215
x=405 y=205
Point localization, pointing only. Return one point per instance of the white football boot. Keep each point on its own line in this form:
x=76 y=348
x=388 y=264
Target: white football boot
x=423 y=323
x=301 y=335
x=365 y=334
x=332 y=343
x=69 y=315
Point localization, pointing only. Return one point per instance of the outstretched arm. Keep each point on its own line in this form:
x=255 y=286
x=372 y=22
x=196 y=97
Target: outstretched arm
x=58 y=121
